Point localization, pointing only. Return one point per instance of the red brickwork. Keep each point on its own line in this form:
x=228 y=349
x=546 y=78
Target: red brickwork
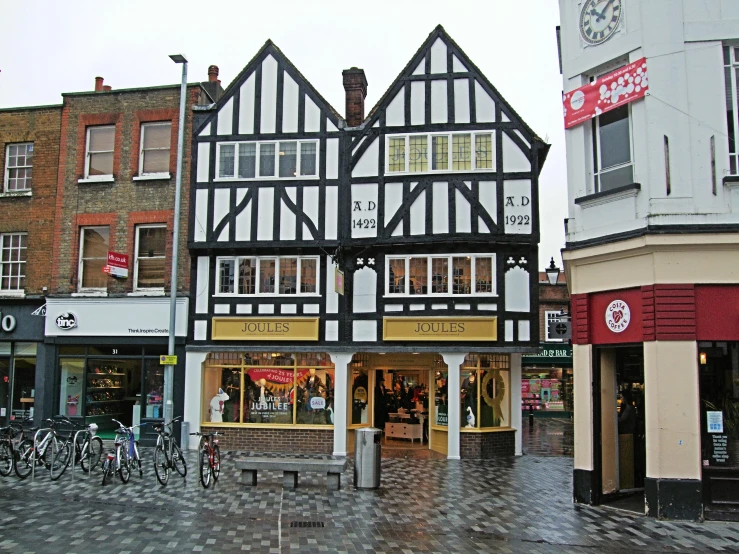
x=294 y=440
x=580 y=315
x=125 y=202
x=484 y=446
x=552 y=298
x=33 y=214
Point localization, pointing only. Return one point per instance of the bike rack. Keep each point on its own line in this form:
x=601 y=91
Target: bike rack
x=35 y=450
x=74 y=453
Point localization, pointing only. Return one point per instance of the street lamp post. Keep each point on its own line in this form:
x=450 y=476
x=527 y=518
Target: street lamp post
x=169 y=369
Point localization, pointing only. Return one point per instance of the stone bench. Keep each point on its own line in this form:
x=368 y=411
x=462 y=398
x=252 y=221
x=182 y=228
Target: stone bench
x=290 y=468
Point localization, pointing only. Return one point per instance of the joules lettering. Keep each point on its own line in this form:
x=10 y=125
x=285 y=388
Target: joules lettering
x=265 y=327
x=446 y=328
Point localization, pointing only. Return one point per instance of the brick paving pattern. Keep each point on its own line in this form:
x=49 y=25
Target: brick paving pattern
x=505 y=505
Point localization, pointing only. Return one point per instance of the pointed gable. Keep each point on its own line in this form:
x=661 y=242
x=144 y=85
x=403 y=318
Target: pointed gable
x=270 y=96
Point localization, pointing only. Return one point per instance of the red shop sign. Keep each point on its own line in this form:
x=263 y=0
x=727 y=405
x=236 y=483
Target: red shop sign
x=606 y=93
x=117 y=260
x=616 y=317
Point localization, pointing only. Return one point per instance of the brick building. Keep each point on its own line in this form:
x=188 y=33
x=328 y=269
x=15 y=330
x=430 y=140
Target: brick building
x=115 y=197
x=29 y=155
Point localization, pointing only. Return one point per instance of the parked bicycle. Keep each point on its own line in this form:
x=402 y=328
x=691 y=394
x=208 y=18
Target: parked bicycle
x=209 y=457
x=29 y=455
x=9 y=437
x=125 y=455
x=87 y=451
x=167 y=454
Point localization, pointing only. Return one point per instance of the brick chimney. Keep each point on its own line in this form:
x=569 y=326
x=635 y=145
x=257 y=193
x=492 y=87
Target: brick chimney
x=107 y=88
x=213 y=74
x=355 y=86
x=98 y=84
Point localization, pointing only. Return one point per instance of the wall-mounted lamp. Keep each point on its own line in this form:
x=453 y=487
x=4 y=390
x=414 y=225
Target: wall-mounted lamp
x=552 y=273
x=703 y=358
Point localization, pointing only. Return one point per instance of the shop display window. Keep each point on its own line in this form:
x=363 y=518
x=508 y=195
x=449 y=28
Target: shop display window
x=360 y=396
x=267 y=388
x=440 y=417
x=4 y=377
x=24 y=380
x=546 y=390
x=484 y=396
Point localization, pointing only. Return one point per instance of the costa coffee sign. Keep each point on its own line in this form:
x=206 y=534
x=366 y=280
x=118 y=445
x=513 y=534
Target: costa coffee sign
x=618 y=316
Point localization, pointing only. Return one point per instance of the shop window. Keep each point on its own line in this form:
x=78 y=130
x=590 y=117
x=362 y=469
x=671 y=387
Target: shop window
x=151 y=241
x=546 y=390
x=18 y=167
x=71 y=387
x=94 y=246
x=440 y=414
x=24 y=380
x=484 y=396
x=266 y=388
x=156 y=139
x=154 y=390
x=4 y=378
x=360 y=396
x=468 y=274
x=282 y=276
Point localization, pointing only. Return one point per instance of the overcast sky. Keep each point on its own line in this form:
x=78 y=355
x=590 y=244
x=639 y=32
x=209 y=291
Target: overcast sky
x=47 y=48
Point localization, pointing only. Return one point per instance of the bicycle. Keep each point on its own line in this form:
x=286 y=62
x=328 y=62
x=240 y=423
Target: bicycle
x=7 y=448
x=131 y=445
x=29 y=455
x=87 y=453
x=117 y=461
x=167 y=454
x=209 y=457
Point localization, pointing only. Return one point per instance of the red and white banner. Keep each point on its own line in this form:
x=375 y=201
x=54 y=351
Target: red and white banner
x=606 y=93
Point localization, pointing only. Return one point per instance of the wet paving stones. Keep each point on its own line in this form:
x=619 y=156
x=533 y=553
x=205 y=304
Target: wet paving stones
x=510 y=505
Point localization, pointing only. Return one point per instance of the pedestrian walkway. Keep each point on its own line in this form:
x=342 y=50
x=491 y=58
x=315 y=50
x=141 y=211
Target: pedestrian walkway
x=548 y=436
x=508 y=505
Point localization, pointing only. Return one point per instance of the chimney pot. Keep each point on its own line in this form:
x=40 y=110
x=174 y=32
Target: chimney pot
x=98 y=84
x=213 y=73
x=355 y=87
x=107 y=88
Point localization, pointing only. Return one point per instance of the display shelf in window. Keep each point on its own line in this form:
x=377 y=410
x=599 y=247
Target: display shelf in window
x=105 y=392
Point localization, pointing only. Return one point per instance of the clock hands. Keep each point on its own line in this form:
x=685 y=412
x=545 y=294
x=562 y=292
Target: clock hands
x=602 y=14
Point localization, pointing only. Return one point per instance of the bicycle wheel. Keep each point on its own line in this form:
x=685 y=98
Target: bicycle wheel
x=216 y=462
x=60 y=461
x=6 y=458
x=47 y=456
x=161 y=466
x=124 y=466
x=107 y=469
x=24 y=459
x=204 y=463
x=136 y=462
x=92 y=450
x=178 y=460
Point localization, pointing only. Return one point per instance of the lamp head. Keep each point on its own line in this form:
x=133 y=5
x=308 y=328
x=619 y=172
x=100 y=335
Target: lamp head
x=178 y=58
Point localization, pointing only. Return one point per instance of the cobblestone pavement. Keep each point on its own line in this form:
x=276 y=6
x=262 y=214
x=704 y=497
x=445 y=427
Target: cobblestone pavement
x=548 y=436
x=512 y=505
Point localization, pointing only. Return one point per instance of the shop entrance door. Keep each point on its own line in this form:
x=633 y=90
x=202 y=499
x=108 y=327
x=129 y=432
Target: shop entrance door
x=619 y=429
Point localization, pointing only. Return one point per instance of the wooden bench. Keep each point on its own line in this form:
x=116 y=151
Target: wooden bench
x=290 y=468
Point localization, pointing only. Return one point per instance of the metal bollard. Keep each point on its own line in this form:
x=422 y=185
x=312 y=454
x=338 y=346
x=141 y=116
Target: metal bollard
x=531 y=416
x=185 y=435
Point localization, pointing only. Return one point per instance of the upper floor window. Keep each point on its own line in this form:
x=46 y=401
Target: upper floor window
x=13 y=261
x=99 y=156
x=280 y=275
x=440 y=274
x=282 y=160
x=613 y=163
x=151 y=242
x=731 y=76
x=440 y=152
x=155 y=148
x=551 y=317
x=18 y=167
x=94 y=246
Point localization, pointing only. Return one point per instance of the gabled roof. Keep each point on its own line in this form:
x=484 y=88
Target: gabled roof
x=424 y=50
x=270 y=48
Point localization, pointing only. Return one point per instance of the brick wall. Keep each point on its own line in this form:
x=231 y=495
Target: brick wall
x=487 y=445
x=33 y=214
x=125 y=202
x=295 y=440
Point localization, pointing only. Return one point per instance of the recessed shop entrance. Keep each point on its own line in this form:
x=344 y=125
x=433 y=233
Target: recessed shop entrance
x=398 y=393
x=620 y=451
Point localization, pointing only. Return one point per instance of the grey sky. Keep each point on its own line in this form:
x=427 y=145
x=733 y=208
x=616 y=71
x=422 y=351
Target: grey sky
x=47 y=48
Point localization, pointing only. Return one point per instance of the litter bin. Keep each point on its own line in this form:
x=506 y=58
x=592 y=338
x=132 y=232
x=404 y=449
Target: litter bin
x=367 y=457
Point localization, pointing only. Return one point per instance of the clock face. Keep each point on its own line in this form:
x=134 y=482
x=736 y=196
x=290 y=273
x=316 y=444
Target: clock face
x=599 y=19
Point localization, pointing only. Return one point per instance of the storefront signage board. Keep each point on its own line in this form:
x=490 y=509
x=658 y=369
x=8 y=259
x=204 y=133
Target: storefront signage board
x=550 y=354
x=458 y=329
x=265 y=328
x=117 y=265
x=626 y=84
x=616 y=317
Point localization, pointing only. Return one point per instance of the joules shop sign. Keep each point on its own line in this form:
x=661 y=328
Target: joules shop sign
x=265 y=328
x=440 y=329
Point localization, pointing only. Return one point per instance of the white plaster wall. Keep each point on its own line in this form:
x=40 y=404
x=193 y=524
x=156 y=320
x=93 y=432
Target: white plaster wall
x=225 y=118
x=269 y=95
x=582 y=389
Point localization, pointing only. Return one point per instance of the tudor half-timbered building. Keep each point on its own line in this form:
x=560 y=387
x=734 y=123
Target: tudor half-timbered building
x=362 y=271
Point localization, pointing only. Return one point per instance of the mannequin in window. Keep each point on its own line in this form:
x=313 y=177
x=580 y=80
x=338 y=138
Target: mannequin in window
x=469 y=394
x=217 y=405
x=263 y=394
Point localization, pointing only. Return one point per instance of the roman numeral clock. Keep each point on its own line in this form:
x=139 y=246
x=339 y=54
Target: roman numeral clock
x=599 y=19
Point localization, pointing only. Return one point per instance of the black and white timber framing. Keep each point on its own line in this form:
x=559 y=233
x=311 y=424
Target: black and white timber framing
x=354 y=213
